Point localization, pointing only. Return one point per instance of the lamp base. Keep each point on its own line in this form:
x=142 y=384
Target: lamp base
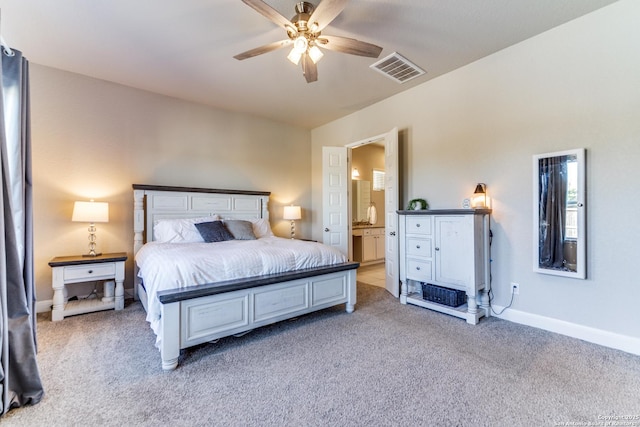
x=293 y=229
x=92 y=242
x=92 y=255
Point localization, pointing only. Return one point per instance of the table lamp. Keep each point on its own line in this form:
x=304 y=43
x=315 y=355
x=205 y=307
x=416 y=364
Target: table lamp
x=91 y=212
x=292 y=213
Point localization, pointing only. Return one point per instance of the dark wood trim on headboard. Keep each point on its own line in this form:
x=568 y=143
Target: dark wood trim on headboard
x=198 y=190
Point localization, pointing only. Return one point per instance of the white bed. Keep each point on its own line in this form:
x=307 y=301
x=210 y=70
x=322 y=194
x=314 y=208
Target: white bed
x=283 y=278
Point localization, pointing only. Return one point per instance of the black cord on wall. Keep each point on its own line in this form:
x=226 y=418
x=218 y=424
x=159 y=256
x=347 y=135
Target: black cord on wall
x=491 y=283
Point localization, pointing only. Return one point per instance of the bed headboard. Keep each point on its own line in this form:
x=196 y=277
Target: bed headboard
x=153 y=202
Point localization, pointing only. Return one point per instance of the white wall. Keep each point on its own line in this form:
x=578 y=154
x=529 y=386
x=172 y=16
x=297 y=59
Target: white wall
x=575 y=86
x=94 y=139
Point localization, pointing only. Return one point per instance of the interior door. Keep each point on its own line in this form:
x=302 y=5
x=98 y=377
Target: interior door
x=335 y=198
x=391 y=202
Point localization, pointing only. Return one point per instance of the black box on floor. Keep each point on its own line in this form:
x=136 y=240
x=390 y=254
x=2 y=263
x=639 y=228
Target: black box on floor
x=446 y=296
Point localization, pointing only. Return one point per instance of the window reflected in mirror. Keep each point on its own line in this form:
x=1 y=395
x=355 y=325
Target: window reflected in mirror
x=378 y=180
x=361 y=200
x=559 y=214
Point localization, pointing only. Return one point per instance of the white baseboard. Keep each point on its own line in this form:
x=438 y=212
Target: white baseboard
x=44 y=306
x=597 y=336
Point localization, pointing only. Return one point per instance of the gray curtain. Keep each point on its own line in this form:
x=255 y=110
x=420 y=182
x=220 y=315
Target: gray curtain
x=552 y=203
x=19 y=376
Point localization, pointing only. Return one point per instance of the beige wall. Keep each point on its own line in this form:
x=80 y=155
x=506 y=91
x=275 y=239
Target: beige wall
x=575 y=86
x=94 y=139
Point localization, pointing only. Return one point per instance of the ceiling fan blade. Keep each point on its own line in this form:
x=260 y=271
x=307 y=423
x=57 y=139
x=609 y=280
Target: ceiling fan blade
x=270 y=13
x=309 y=69
x=262 y=49
x=350 y=46
x=326 y=12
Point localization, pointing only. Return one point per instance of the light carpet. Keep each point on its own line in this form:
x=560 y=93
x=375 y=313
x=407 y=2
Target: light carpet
x=386 y=364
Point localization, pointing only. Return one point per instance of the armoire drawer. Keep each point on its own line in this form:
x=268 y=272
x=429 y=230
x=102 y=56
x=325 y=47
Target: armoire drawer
x=418 y=225
x=419 y=246
x=419 y=270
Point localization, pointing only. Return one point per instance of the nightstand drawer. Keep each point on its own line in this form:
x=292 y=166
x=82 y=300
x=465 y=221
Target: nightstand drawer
x=89 y=272
x=418 y=270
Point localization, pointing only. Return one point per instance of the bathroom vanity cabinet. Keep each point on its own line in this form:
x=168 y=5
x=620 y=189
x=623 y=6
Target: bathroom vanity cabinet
x=368 y=244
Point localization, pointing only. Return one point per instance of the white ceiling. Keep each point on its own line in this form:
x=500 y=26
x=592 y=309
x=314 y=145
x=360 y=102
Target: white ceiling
x=185 y=48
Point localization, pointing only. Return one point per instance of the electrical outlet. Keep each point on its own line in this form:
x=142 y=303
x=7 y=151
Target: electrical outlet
x=515 y=288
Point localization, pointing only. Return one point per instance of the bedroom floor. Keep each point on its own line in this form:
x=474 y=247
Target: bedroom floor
x=328 y=368
x=372 y=275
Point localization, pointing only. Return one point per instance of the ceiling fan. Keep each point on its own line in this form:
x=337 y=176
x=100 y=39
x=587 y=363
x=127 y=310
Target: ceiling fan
x=304 y=32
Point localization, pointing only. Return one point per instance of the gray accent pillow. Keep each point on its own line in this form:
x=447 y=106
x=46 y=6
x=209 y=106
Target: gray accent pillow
x=241 y=230
x=214 y=231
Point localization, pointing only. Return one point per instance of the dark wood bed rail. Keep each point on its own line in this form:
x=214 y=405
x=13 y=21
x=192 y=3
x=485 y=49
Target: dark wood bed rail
x=198 y=190
x=175 y=295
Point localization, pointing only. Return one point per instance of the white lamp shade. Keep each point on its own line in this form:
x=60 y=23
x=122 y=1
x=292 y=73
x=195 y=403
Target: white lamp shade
x=315 y=54
x=90 y=212
x=292 y=212
x=294 y=56
x=300 y=44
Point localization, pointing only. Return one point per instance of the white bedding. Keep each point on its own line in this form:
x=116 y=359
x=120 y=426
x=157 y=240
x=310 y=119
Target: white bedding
x=165 y=266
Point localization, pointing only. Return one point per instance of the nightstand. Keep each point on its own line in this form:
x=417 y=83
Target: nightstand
x=78 y=269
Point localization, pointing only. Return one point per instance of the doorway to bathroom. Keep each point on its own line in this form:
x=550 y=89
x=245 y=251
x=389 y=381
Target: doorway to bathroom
x=367 y=200
x=372 y=275
x=372 y=214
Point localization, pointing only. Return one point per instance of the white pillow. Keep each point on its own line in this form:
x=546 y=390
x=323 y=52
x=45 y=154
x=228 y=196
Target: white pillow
x=261 y=228
x=180 y=230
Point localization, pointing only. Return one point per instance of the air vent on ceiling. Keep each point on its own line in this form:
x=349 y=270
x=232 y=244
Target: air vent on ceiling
x=398 y=68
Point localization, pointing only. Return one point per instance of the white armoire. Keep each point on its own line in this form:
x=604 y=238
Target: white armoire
x=449 y=248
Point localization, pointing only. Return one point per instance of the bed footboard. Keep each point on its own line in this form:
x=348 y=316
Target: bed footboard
x=196 y=316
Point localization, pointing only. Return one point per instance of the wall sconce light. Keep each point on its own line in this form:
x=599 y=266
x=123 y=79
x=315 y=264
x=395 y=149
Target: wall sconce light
x=292 y=213
x=355 y=174
x=479 y=200
x=91 y=212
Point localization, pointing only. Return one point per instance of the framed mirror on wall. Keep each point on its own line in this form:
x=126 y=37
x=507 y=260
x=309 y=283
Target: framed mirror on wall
x=559 y=219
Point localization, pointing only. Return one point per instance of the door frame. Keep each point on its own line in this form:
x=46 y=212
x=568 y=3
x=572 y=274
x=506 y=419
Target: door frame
x=392 y=273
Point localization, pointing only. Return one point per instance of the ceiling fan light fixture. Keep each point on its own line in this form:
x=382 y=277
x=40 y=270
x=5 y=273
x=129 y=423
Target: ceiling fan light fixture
x=300 y=45
x=304 y=32
x=315 y=54
x=294 y=56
